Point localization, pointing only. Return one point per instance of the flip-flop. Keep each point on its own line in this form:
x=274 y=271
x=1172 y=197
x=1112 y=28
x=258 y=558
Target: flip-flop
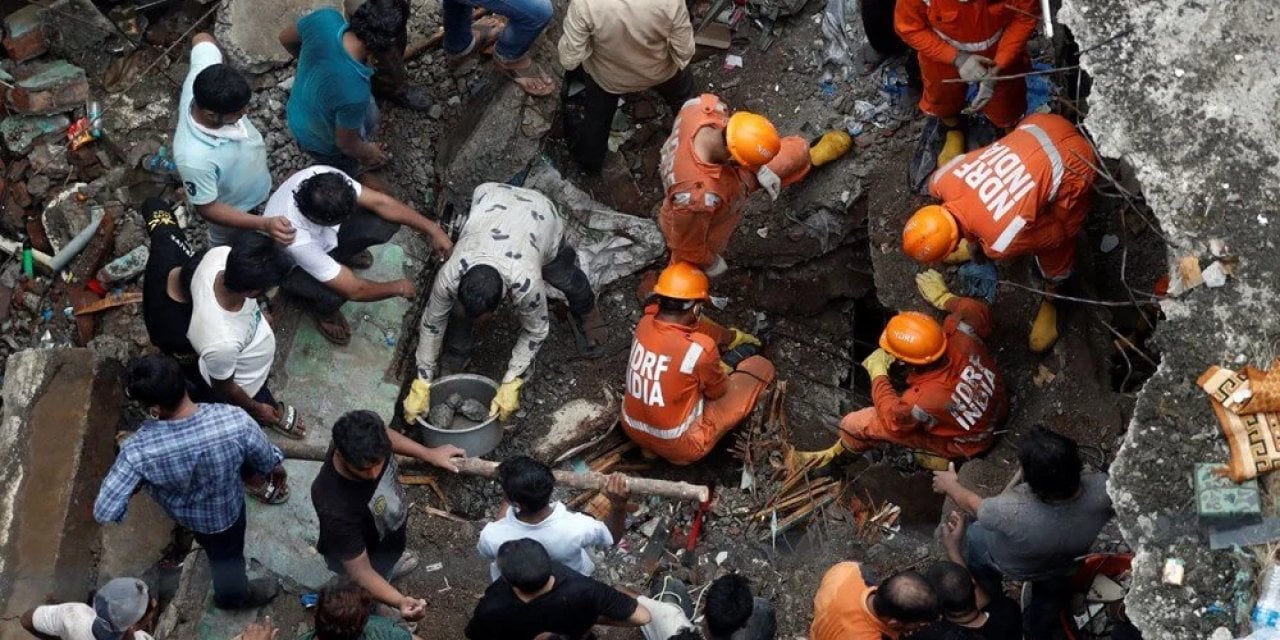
x=484 y=35
x=335 y=329
x=290 y=424
x=269 y=492
x=524 y=72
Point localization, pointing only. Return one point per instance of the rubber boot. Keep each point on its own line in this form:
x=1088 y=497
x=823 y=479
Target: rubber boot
x=952 y=147
x=815 y=459
x=833 y=145
x=930 y=461
x=1044 y=330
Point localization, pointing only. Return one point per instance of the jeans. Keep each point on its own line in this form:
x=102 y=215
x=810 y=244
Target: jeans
x=361 y=231
x=525 y=21
x=343 y=162
x=589 y=139
x=1049 y=593
x=225 y=550
x=562 y=273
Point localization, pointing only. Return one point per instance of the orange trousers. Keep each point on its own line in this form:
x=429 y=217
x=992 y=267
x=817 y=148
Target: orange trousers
x=946 y=99
x=721 y=415
x=863 y=430
x=1057 y=262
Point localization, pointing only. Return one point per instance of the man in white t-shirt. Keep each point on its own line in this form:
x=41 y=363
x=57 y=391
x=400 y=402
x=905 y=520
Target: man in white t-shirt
x=529 y=513
x=122 y=608
x=336 y=220
x=228 y=330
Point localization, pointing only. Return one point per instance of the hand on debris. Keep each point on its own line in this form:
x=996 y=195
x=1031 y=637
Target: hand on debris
x=740 y=338
x=279 y=228
x=877 y=364
x=973 y=67
x=953 y=530
x=769 y=181
x=265 y=630
x=445 y=457
x=933 y=288
x=413 y=609
x=616 y=490
x=375 y=155
x=441 y=245
x=507 y=400
x=945 y=480
x=986 y=89
x=415 y=404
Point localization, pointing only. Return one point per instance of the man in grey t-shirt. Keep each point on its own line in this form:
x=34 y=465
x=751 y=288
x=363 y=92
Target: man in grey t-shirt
x=1034 y=531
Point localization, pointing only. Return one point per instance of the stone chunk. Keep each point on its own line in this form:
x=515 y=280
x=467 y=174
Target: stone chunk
x=21 y=132
x=25 y=34
x=49 y=89
x=249 y=30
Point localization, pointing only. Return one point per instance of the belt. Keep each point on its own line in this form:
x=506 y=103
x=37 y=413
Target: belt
x=971 y=47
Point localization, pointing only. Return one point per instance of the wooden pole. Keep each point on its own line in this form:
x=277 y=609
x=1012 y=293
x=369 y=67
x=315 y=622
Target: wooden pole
x=591 y=481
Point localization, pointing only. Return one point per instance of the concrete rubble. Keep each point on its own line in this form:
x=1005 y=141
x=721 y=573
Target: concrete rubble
x=1186 y=94
x=249 y=30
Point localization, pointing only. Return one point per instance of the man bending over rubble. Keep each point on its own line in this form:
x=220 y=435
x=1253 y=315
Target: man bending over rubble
x=681 y=398
x=512 y=246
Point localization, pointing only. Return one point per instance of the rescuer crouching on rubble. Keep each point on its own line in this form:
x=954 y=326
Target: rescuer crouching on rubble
x=955 y=396
x=1025 y=194
x=681 y=398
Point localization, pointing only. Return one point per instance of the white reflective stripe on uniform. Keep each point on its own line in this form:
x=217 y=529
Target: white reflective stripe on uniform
x=1055 y=158
x=665 y=434
x=1010 y=232
x=965 y=328
x=691 y=358
x=971 y=47
x=938 y=173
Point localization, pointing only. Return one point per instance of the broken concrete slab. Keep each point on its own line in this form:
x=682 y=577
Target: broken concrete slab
x=1179 y=90
x=61 y=408
x=21 y=132
x=134 y=546
x=48 y=89
x=249 y=30
x=24 y=33
x=80 y=38
x=575 y=423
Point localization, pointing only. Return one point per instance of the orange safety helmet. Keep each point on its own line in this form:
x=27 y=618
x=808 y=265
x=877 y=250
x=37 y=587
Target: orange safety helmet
x=682 y=281
x=752 y=139
x=914 y=338
x=931 y=234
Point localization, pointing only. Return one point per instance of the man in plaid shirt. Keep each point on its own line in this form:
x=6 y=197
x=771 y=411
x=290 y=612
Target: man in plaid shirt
x=190 y=457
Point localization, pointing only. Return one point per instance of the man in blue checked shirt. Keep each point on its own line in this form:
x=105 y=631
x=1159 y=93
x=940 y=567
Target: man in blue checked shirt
x=190 y=457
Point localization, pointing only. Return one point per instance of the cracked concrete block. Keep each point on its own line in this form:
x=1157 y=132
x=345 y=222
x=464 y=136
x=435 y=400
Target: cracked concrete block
x=249 y=30
x=49 y=89
x=61 y=408
x=21 y=132
x=24 y=34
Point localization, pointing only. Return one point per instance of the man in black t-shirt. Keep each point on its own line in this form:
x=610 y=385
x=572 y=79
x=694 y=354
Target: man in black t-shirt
x=362 y=507
x=536 y=596
x=968 y=612
x=166 y=292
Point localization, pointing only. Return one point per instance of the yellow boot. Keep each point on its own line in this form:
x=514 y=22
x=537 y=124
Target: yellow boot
x=833 y=145
x=952 y=147
x=1044 y=330
x=930 y=461
x=815 y=459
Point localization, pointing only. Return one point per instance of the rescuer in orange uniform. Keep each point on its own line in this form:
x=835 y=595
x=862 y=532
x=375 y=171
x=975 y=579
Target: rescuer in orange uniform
x=710 y=164
x=970 y=40
x=680 y=400
x=1025 y=194
x=955 y=396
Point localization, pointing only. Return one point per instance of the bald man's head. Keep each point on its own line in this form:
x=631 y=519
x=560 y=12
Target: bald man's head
x=906 y=601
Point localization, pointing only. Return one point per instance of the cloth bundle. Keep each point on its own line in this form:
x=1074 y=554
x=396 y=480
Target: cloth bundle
x=1247 y=405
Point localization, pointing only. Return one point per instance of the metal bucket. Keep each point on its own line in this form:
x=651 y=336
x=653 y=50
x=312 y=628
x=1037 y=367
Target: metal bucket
x=477 y=440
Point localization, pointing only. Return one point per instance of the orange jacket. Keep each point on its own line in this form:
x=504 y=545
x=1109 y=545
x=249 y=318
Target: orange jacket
x=1027 y=191
x=964 y=397
x=672 y=369
x=840 y=610
x=939 y=29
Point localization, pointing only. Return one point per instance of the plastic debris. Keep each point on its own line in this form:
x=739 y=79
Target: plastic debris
x=732 y=61
x=1173 y=571
x=1215 y=275
x=837 y=33
x=1109 y=243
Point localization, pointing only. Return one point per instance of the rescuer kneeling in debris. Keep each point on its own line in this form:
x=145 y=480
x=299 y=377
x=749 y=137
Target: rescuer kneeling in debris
x=710 y=164
x=681 y=398
x=1025 y=194
x=955 y=395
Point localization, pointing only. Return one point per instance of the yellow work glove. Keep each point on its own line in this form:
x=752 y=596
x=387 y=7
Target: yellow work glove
x=832 y=146
x=963 y=253
x=726 y=367
x=740 y=338
x=933 y=288
x=416 y=403
x=877 y=364
x=507 y=400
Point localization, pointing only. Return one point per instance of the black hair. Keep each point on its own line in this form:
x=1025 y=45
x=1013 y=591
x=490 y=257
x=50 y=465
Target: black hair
x=326 y=198
x=1050 y=464
x=674 y=305
x=361 y=438
x=524 y=564
x=687 y=633
x=526 y=483
x=907 y=598
x=378 y=24
x=953 y=585
x=220 y=89
x=729 y=605
x=343 y=611
x=254 y=263
x=480 y=290
x=156 y=380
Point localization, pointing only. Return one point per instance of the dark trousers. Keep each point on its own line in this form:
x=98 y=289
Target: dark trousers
x=389 y=73
x=226 y=561
x=877 y=21
x=589 y=139
x=362 y=230
x=563 y=273
x=1049 y=596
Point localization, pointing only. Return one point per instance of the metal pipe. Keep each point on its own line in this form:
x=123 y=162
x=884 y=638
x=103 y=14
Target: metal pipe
x=77 y=244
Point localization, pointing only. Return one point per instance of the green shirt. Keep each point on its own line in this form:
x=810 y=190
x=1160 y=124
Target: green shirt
x=378 y=628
